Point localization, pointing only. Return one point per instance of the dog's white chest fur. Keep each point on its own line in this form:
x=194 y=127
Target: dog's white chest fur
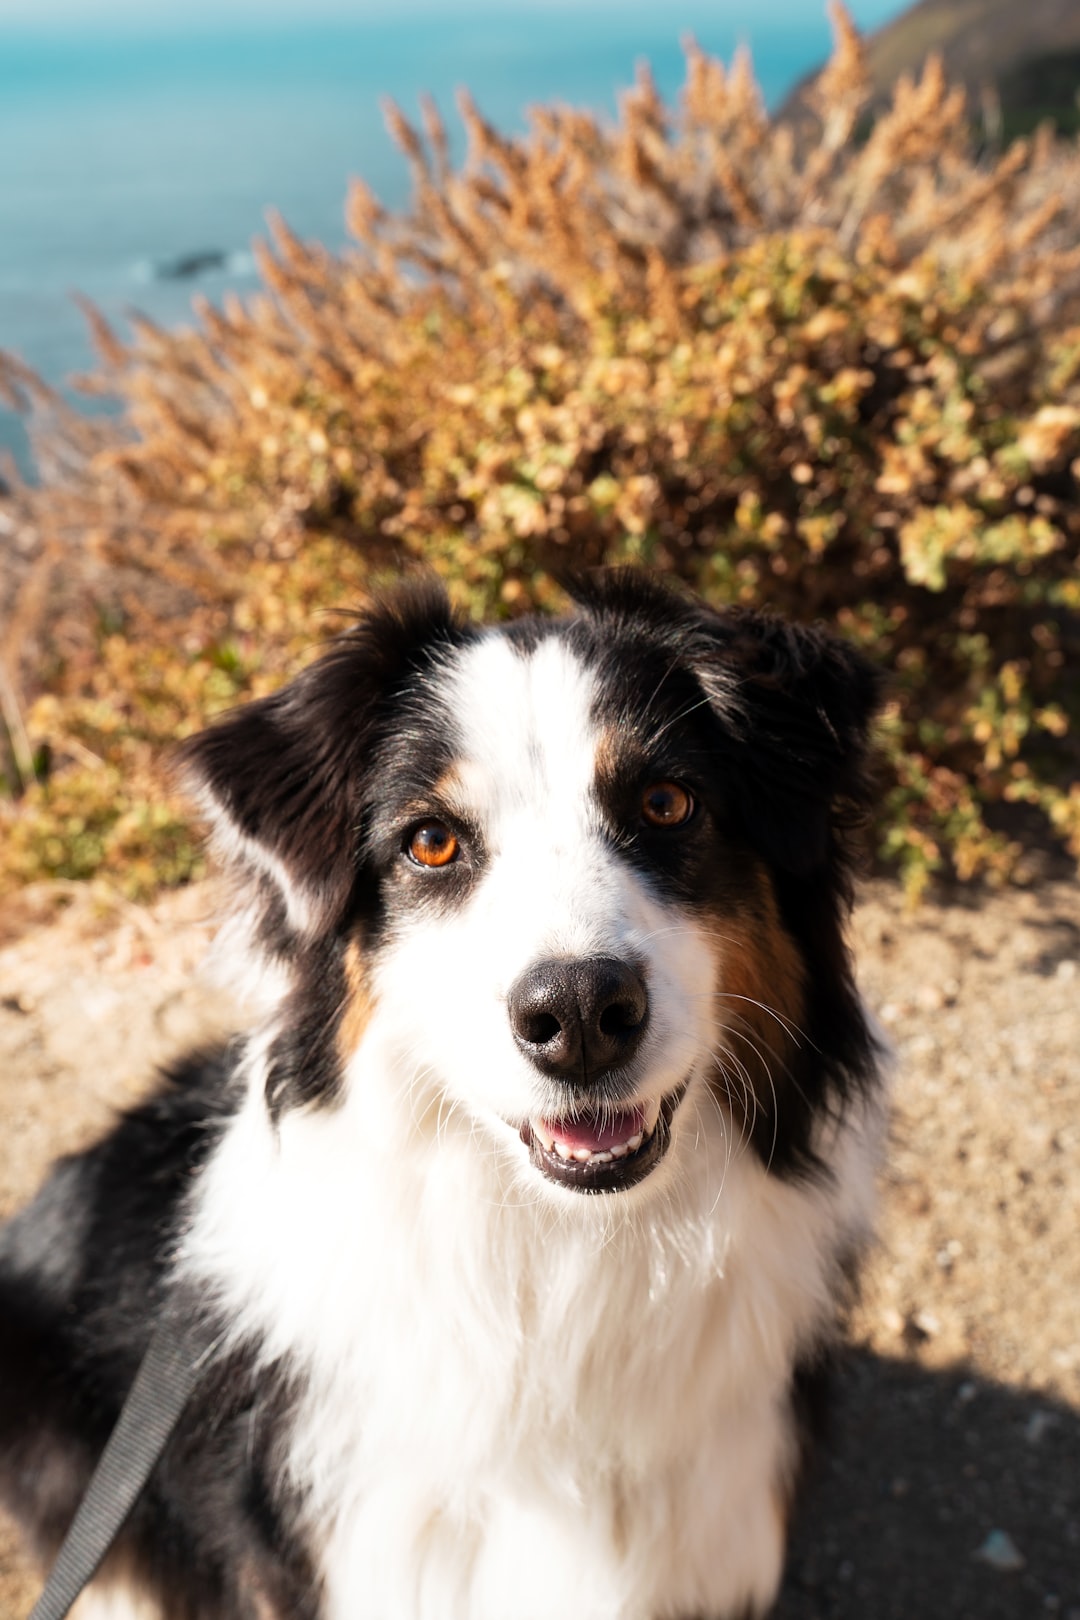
x=510 y=1412
x=528 y=1198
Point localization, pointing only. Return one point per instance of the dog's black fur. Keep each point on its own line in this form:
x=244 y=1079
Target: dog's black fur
x=771 y=721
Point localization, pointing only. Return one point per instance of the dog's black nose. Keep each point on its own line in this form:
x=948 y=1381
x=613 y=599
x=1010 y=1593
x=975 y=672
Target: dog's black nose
x=578 y=1019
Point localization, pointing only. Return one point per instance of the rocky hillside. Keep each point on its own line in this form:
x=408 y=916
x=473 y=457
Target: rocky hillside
x=1028 y=51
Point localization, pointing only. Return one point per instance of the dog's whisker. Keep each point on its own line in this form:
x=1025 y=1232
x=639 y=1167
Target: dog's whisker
x=750 y=1103
x=797 y=1034
x=729 y=1147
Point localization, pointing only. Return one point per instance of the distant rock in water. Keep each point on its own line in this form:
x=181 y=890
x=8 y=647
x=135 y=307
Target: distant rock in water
x=237 y=263
x=189 y=265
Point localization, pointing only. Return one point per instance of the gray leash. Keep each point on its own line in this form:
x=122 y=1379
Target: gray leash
x=170 y=1370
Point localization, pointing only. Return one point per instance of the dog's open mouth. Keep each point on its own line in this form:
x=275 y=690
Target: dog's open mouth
x=605 y=1149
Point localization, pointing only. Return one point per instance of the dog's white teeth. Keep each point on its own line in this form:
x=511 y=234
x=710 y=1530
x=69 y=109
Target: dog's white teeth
x=569 y=1153
x=652 y=1114
x=585 y=1155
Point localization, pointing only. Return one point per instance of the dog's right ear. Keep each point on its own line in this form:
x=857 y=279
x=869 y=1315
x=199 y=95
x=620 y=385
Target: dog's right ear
x=277 y=783
x=281 y=781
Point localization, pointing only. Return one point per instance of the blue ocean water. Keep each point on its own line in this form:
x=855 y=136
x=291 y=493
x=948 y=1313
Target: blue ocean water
x=123 y=150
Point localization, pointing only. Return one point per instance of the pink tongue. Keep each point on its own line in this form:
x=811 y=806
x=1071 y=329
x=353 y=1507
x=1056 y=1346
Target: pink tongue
x=597 y=1135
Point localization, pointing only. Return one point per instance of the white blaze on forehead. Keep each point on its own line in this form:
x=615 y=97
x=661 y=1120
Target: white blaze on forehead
x=551 y=884
x=526 y=772
x=528 y=738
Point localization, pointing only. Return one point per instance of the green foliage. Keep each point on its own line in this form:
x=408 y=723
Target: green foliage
x=841 y=379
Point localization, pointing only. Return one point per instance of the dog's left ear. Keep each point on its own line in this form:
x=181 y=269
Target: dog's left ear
x=800 y=702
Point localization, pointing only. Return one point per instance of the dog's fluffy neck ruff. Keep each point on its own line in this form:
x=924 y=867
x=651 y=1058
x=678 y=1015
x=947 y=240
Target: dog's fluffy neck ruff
x=556 y=1381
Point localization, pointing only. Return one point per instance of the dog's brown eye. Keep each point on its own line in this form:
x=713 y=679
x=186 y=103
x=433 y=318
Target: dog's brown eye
x=666 y=804
x=432 y=844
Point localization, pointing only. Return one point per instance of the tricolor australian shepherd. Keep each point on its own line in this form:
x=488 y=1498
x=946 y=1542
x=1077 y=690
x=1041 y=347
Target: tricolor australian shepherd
x=523 y=1211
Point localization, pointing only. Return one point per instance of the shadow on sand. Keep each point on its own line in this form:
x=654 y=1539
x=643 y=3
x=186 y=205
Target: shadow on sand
x=921 y=1468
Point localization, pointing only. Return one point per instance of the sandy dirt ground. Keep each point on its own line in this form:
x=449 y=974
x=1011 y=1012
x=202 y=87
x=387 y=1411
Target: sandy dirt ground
x=951 y=1490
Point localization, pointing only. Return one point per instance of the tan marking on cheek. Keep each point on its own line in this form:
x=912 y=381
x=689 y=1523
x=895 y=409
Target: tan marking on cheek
x=358 y=1004
x=760 y=982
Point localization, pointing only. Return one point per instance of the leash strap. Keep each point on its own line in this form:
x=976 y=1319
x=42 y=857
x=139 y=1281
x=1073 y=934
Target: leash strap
x=170 y=1370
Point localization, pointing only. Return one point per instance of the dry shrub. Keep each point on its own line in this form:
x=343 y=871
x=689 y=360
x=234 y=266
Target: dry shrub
x=838 y=374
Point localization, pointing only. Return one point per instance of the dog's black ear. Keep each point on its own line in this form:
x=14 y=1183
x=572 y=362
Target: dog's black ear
x=281 y=781
x=277 y=782
x=801 y=702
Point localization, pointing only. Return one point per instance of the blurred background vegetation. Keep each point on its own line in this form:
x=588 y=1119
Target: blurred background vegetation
x=826 y=360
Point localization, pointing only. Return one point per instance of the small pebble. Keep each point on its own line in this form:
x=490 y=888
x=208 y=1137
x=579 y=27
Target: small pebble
x=1066 y=970
x=19 y=1003
x=1000 y=1551
x=1037 y=1425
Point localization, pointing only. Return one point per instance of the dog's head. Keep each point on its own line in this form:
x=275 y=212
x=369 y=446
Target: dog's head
x=559 y=873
